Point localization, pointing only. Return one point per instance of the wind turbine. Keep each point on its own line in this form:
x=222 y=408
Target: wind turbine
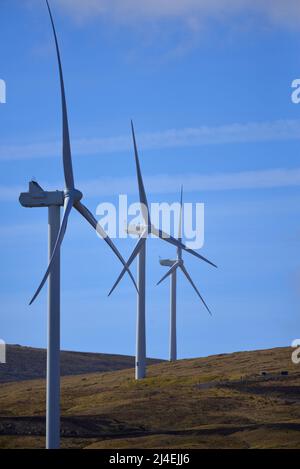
x=69 y=198
x=177 y=264
x=140 y=251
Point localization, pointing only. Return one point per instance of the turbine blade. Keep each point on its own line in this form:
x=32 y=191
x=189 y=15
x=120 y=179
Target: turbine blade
x=84 y=211
x=67 y=158
x=179 y=250
x=166 y=237
x=194 y=287
x=170 y=271
x=142 y=192
x=67 y=209
x=133 y=255
x=196 y=254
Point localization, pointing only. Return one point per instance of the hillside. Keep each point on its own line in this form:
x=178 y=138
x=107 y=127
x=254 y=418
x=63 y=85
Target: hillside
x=25 y=363
x=220 y=401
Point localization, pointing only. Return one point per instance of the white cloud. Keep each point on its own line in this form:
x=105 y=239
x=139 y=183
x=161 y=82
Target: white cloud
x=282 y=12
x=166 y=184
x=279 y=130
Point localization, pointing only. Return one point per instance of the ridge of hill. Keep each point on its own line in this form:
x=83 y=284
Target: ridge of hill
x=26 y=363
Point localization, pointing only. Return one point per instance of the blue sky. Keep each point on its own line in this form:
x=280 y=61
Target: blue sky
x=209 y=89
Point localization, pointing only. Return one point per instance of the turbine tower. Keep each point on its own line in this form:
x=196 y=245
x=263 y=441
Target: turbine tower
x=140 y=251
x=172 y=273
x=69 y=198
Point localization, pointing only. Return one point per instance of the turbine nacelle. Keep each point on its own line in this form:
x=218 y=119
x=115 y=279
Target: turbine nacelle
x=171 y=262
x=167 y=262
x=139 y=230
x=37 y=197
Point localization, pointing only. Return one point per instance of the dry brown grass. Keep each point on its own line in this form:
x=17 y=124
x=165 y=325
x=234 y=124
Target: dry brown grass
x=214 y=402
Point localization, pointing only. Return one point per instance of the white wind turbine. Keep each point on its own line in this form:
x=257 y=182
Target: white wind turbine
x=172 y=272
x=69 y=198
x=140 y=250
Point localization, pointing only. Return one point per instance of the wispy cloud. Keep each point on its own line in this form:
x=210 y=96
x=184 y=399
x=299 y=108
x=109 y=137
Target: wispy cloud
x=285 y=13
x=171 y=138
x=166 y=184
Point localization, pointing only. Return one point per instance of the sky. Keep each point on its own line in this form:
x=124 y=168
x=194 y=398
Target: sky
x=208 y=85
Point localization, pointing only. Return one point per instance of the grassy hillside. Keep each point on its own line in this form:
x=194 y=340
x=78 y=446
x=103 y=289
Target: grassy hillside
x=25 y=363
x=215 y=402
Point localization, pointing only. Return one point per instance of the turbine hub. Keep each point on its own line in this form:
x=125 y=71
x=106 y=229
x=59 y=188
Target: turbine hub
x=76 y=194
